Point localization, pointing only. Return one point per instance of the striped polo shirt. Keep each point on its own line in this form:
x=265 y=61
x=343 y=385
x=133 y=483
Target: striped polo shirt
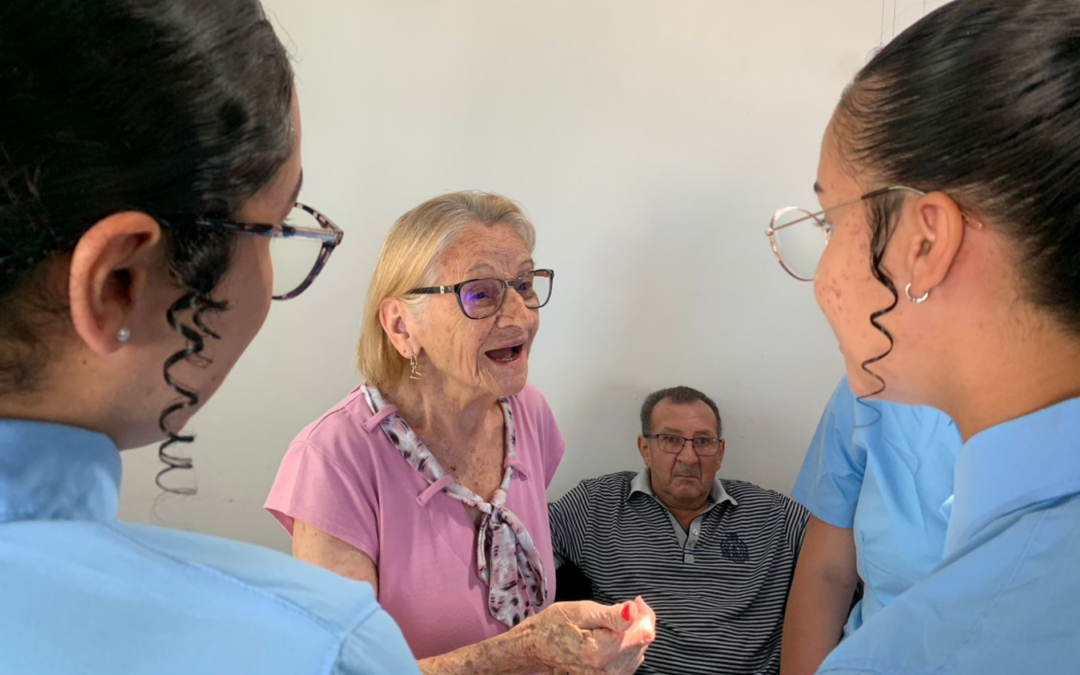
x=719 y=589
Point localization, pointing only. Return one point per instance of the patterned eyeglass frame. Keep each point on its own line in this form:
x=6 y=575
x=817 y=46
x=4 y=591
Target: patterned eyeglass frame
x=509 y=284
x=330 y=235
x=825 y=225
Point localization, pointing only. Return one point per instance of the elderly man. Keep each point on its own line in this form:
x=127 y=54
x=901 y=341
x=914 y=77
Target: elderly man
x=714 y=558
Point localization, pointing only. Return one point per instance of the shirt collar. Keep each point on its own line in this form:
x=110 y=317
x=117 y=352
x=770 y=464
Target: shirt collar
x=53 y=472
x=1031 y=459
x=643 y=483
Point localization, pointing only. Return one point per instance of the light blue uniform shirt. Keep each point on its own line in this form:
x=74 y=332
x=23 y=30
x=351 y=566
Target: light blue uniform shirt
x=1006 y=598
x=883 y=470
x=81 y=592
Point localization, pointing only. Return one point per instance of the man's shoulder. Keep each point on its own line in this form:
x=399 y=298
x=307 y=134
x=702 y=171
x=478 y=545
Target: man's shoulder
x=751 y=494
x=614 y=484
x=606 y=489
x=747 y=488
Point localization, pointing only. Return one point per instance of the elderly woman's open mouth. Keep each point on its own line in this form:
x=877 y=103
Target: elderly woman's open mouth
x=510 y=354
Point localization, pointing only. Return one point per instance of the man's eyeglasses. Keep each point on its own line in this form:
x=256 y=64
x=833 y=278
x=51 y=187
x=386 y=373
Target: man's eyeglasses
x=299 y=249
x=482 y=298
x=799 y=237
x=672 y=444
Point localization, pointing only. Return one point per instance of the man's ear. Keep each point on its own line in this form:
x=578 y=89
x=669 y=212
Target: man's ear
x=108 y=277
x=643 y=448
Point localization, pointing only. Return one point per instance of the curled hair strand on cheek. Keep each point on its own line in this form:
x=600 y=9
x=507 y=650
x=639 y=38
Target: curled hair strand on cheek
x=883 y=216
x=195 y=339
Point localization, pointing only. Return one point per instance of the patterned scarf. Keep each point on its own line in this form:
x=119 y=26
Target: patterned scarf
x=506 y=557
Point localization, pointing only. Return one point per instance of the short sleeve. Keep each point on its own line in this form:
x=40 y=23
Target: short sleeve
x=569 y=517
x=831 y=477
x=311 y=487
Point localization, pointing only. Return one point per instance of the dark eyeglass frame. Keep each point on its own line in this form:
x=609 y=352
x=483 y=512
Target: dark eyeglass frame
x=819 y=218
x=507 y=284
x=717 y=442
x=330 y=235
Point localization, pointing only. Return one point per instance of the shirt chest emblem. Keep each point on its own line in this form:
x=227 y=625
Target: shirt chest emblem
x=734 y=549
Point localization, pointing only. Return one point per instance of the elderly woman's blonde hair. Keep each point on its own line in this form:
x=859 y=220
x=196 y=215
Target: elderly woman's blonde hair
x=409 y=258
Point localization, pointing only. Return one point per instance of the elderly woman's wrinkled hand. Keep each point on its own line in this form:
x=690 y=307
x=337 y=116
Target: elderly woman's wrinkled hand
x=586 y=638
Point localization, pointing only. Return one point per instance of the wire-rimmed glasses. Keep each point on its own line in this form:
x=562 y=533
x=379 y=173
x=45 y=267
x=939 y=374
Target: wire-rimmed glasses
x=799 y=237
x=673 y=444
x=482 y=298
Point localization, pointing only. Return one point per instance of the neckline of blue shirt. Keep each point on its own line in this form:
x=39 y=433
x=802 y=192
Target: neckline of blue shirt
x=1014 y=465
x=56 y=472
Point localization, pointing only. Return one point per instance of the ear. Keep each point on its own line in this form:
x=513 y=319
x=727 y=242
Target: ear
x=720 y=455
x=939 y=231
x=643 y=448
x=395 y=321
x=109 y=274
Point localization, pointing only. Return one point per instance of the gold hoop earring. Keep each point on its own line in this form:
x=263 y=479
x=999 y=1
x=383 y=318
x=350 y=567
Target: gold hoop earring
x=415 y=374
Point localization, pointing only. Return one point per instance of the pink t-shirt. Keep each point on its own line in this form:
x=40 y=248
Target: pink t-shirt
x=343 y=476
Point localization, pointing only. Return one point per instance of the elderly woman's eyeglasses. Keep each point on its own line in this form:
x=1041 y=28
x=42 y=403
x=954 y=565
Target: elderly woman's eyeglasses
x=673 y=445
x=482 y=298
x=299 y=249
x=799 y=237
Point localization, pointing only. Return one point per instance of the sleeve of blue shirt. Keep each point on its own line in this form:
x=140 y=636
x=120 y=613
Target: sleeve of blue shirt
x=376 y=649
x=832 y=473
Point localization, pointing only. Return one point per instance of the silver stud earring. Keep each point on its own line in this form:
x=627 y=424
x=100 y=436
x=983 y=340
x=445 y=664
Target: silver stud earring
x=415 y=374
x=919 y=300
x=123 y=335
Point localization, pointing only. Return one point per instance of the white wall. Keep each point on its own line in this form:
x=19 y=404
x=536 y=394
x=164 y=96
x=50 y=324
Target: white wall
x=650 y=140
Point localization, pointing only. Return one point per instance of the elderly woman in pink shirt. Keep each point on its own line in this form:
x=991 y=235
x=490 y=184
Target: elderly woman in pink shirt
x=429 y=480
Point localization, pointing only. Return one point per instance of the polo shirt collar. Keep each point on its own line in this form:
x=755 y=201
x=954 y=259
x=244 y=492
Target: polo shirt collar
x=643 y=483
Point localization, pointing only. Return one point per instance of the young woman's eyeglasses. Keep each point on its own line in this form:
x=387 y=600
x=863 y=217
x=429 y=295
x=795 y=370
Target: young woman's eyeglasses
x=799 y=237
x=482 y=298
x=673 y=445
x=299 y=249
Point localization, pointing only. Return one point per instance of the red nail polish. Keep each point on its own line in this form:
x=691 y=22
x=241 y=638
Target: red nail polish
x=626 y=612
